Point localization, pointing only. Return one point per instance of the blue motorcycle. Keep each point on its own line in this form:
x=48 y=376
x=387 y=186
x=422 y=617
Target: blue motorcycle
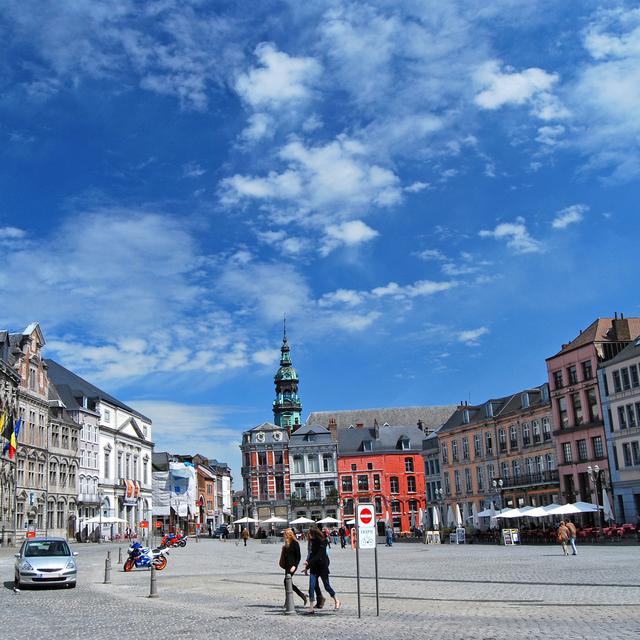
x=140 y=556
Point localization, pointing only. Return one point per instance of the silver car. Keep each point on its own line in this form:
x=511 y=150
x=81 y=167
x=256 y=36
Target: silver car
x=45 y=561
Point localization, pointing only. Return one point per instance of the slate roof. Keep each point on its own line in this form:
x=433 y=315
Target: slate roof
x=502 y=407
x=632 y=350
x=432 y=417
x=600 y=330
x=350 y=441
x=79 y=386
x=321 y=436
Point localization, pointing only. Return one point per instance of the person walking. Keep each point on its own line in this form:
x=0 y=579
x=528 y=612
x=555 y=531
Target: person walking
x=318 y=566
x=572 y=536
x=343 y=537
x=245 y=535
x=389 y=535
x=289 y=561
x=334 y=537
x=563 y=536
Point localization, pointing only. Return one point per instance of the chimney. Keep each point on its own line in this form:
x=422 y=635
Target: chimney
x=376 y=429
x=421 y=425
x=621 y=329
x=359 y=425
x=333 y=429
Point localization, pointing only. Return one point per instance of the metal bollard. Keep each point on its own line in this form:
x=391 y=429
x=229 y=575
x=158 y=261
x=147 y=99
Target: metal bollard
x=289 y=606
x=153 y=591
x=119 y=555
x=107 y=569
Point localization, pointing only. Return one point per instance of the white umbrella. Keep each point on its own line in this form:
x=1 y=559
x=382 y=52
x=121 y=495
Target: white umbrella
x=606 y=507
x=492 y=515
x=273 y=520
x=465 y=511
x=562 y=510
x=245 y=520
x=105 y=520
x=436 y=518
x=537 y=512
x=458 y=516
x=586 y=507
x=302 y=520
x=450 y=520
x=474 y=516
x=485 y=513
x=509 y=513
x=352 y=521
x=329 y=520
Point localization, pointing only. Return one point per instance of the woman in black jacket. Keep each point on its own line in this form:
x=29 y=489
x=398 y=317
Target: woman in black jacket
x=318 y=566
x=290 y=559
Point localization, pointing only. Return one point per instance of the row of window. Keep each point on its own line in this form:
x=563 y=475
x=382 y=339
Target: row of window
x=89 y=433
x=88 y=485
x=127 y=467
x=432 y=467
x=529 y=469
x=631 y=453
x=57 y=515
x=582 y=450
x=517 y=435
x=89 y=459
x=364 y=484
x=313 y=490
x=579 y=416
x=628 y=416
x=348 y=506
x=61 y=476
x=570 y=374
x=625 y=378
x=313 y=463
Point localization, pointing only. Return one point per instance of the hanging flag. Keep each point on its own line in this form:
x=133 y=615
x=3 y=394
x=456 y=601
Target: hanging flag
x=13 y=443
x=6 y=429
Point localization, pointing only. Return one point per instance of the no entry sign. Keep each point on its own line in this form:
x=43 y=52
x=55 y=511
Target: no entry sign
x=365 y=518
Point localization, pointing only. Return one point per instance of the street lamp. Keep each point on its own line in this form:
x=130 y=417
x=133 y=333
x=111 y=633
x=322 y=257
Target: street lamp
x=497 y=488
x=595 y=476
x=440 y=500
x=101 y=499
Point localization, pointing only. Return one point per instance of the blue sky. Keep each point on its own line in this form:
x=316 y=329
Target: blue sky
x=436 y=194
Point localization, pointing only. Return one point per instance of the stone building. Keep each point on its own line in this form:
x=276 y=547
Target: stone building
x=507 y=439
x=577 y=407
x=9 y=382
x=619 y=382
x=84 y=413
x=313 y=465
x=124 y=456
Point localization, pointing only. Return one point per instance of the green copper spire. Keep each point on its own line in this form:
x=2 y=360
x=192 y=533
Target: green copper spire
x=287 y=409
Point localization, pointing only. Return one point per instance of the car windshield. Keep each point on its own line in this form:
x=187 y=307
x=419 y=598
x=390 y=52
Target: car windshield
x=46 y=548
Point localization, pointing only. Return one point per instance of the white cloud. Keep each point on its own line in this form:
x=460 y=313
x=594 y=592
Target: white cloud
x=499 y=88
x=416 y=187
x=193 y=170
x=569 y=215
x=549 y=134
x=260 y=126
x=12 y=233
x=266 y=357
x=322 y=183
x=414 y=290
x=516 y=235
x=279 y=79
x=470 y=336
x=431 y=254
x=341 y=297
x=349 y=234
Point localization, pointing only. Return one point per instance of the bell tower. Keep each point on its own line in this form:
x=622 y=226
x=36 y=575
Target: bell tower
x=287 y=409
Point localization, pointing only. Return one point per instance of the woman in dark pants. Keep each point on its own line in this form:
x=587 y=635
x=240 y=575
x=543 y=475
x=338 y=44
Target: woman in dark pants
x=290 y=559
x=318 y=566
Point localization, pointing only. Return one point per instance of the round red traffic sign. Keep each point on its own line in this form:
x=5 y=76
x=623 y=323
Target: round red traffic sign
x=366 y=516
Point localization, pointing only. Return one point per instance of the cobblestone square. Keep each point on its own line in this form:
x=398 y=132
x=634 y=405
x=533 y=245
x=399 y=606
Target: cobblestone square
x=225 y=590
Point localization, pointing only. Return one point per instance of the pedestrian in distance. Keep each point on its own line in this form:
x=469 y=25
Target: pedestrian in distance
x=563 y=537
x=245 y=535
x=318 y=566
x=572 y=536
x=334 y=537
x=389 y=535
x=290 y=560
x=343 y=537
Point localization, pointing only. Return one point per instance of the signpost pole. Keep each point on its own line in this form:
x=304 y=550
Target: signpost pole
x=375 y=555
x=358 y=559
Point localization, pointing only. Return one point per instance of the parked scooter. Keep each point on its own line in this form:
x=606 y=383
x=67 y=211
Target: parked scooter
x=140 y=556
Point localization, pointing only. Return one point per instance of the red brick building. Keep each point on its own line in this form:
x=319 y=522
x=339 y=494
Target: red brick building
x=382 y=465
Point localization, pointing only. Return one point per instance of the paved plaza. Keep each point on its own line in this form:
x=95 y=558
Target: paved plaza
x=221 y=589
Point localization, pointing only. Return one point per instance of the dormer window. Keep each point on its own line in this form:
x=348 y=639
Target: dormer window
x=525 y=400
x=489 y=409
x=465 y=416
x=367 y=445
x=404 y=443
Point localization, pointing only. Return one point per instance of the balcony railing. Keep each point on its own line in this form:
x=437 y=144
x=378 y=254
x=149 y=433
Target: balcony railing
x=532 y=479
x=88 y=498
x=298 y=499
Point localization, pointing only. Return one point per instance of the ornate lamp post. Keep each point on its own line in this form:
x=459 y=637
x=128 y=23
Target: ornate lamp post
x=596 y=477
x=440 y=500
